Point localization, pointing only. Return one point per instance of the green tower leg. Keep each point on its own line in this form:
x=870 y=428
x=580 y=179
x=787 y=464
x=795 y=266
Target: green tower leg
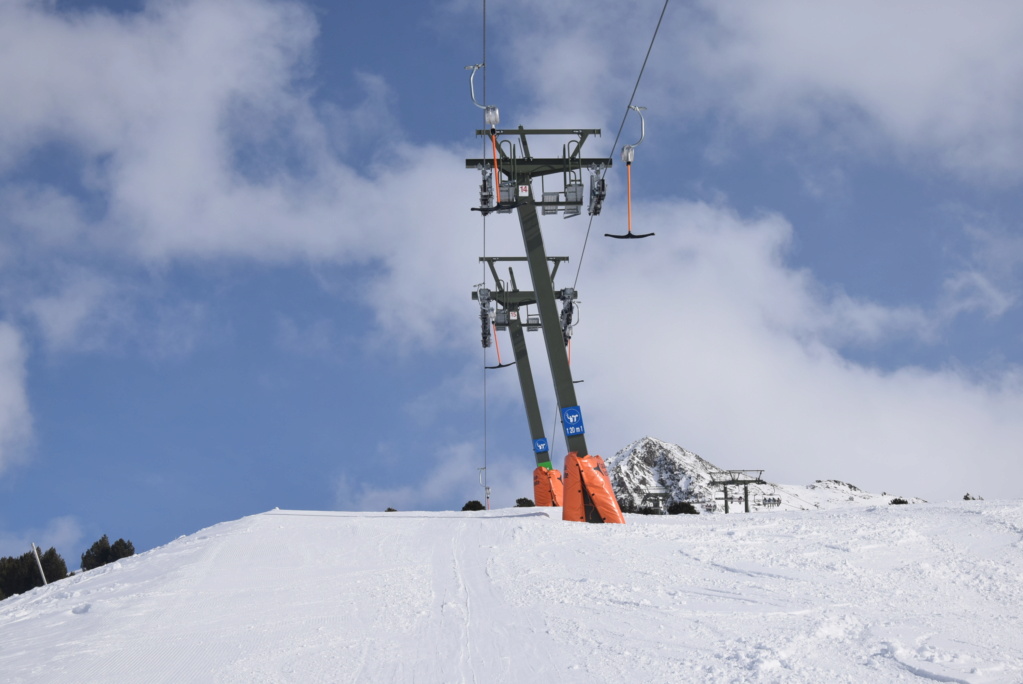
x=550 y=320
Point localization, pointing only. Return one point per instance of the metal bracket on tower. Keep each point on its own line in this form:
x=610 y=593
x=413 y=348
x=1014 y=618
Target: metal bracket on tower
x=486 y=187
x=568 y=312
x=598 y=188
x=483 y=295
x=518 y=167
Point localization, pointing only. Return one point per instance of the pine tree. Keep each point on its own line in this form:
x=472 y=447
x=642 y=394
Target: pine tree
x=97 y=554
x=53 y=565
x=103 y=552
x=473 y=506
x=121 y=549
x=21 y=574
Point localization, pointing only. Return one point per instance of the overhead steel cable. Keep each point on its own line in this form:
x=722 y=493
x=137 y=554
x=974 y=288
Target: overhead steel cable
x=621 y=127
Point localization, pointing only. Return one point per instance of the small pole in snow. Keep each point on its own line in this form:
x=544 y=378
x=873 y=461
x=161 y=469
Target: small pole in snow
x=486 y=488
x=42 y=574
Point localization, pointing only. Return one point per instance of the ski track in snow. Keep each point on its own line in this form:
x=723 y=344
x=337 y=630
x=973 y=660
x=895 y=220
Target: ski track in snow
x=917 y=593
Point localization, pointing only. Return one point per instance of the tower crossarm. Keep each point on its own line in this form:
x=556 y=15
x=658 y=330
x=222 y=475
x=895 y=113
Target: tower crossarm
x=490 y=261
x=511 y=299
x=540 y=167
x=528 y=167
x=738 y=477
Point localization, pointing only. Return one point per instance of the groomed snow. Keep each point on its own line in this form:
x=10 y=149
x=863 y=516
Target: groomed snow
x=923 y=592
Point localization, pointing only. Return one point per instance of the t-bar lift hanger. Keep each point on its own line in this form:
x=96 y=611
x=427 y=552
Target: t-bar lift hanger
x=492 y=118
x=628 y=154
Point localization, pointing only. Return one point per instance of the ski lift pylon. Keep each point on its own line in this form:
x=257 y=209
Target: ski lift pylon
x=628 y=154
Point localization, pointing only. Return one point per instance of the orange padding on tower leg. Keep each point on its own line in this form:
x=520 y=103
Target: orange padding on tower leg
x=548 y=489
x=588 y=493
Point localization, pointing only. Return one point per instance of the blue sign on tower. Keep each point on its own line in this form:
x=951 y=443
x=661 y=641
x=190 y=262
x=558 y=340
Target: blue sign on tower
x=540 y=445
x=572 y=421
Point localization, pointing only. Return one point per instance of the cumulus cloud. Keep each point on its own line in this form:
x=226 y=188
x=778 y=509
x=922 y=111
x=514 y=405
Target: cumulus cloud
x=995 y=258
x=973 y=291
x=63 y=533
x=742 y=362
x=936 y=80
x=931 y=82
x=445 y=485
x=84 y=301
x=195 y=138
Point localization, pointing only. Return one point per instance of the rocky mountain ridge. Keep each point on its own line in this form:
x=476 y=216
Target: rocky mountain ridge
x=651 y=473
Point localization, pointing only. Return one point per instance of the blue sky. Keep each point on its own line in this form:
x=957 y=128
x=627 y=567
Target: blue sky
x=236 y=251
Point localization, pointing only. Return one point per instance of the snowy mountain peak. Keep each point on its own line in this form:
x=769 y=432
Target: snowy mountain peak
x=650 y=467
x=648 y=464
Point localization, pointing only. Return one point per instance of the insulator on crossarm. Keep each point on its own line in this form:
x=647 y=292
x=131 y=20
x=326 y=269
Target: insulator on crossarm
x=486 y=187
x=483 y=294
x=568 y=312
x=598 y=189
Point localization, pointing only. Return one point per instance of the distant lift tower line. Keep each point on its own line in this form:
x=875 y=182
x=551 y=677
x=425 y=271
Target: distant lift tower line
x=508 y=184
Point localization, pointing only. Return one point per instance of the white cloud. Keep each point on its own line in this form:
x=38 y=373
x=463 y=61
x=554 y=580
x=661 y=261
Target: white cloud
x=448 y=483
x=200 y=143
x=973 y=291
x=927 y=81
x=80 y=310
x=15 y=417
x=937 y=79
x=40 y=214
x=740 y=361
x=996 y=255
x=79 y=315
x=63 y=533
x=100 y=80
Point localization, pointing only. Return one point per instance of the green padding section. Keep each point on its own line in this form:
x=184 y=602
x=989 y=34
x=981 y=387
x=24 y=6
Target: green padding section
x=543 y=464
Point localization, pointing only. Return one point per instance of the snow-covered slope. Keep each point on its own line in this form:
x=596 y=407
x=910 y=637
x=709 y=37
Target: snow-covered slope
x=929 y=592
x=650 y=463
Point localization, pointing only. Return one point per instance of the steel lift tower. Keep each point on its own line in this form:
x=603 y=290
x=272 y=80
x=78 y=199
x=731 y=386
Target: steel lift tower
x=507 y=185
